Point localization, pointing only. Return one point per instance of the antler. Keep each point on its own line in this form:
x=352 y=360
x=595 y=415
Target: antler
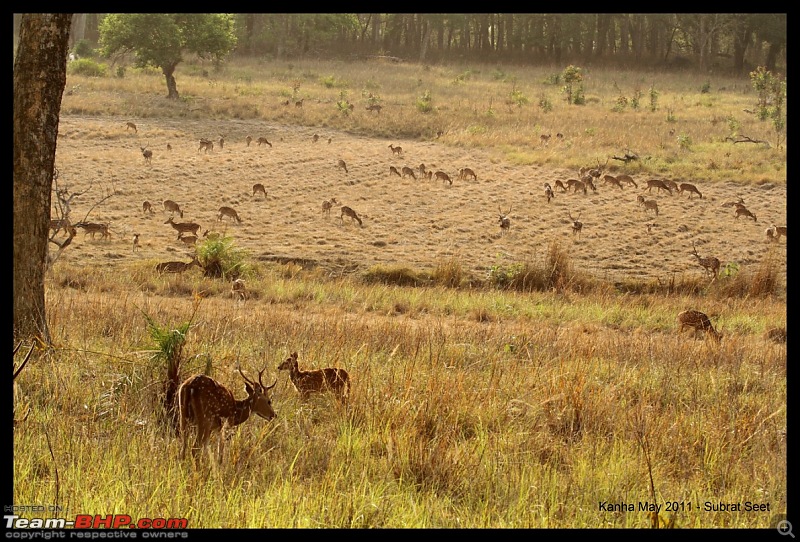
x=262 y=384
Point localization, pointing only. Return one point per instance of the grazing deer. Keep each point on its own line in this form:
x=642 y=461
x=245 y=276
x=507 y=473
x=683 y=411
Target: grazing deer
x=576 y=185
x=698 y=321
x=327 y=205
x=135 y=242
x=775 y=334
x=258 y=187
x=673 y=186
x=393 y=171
x=505 y=220
x=658 y=184
x=147 y=207
x=408 y=171
x=466 y=173
x=207 y=404
x=148 y=155
x=648 y=204
x=238 y=289
x=374 y=107
x=610 y=179
x=347 y=211
x=560 y=186
x=264 y=141
x=131 y=126
x=230 y=212
x=577 y=226
x=544 y=138
x=779 y=231
x=93 y=228
x=172 y=207
x=744 y=211
x=248 y=140
x=422 y=170
x=690 y=188
x=335 y=380
x=710 y=264
x=183 y=227
x=443 y=176
x=176 y=267
x=206 y=144
x=299 y=103
x=188 y=240
x=396 y=150
x=342 y=165
x=548 y=192
x=429 y=175
x=627 y=179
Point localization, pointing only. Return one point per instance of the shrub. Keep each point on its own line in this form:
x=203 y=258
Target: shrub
x=220 y=258
x=424 y=104
x=87 y=67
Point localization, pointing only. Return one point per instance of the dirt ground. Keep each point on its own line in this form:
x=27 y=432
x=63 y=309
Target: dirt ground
x=406 y=221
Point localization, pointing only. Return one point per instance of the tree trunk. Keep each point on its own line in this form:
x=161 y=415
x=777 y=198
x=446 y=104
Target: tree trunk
x=40 y=74
x=172 y=86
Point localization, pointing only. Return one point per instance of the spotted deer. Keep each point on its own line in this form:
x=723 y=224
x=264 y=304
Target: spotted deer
x=188 y=240
x=396 y=150
x=576 y=186
x=744 y=211
x=548 y=192
x=690 y=189
x=341 y=165
x=93 y=228
x=259 y=188
x=610 y=179
x=147 y=154
x=263 y=140
x=659 y=185
x=135 y=242
x=327 y=205
x=147 y=207
x=408 y=171
x=58 y=224
x=347 y=211
x=230 y=212
x=374 y=107
x=208 y=405
x=176 y=267
x=505 y=220
x=131 y=126
x=673 y=186
x=560 y=185
x=648 y=204
x=238 y=289
x=467 y=173
x=183 y=227
x=248 y=140
x=335 y=380
x=445 y=178
x=577 y=225
x=698 y=321
x=779 y=231
x=710 y=264
x=206 y=144
x=393 y=171
x=627 y=179
x=172 y=207
x=299 y=103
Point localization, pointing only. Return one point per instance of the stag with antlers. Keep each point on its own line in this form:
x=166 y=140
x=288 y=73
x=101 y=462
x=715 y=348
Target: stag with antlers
x=505 y=220
x=577 y=226
x=710 y=264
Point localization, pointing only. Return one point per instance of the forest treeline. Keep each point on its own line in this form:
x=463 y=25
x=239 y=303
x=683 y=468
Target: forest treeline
x=732 y=43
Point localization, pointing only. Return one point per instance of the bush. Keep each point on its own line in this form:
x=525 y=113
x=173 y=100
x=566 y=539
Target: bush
x=220 y=258
x=424 y=104
x=87 y=67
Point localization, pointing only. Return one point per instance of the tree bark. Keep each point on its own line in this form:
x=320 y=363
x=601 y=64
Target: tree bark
x=172 y=86
x=40 y=74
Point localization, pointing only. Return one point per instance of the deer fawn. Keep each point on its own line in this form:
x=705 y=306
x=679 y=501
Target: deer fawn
x=690 y=188
x=148 y=155
x=183 y=227
x=505 y=220
x=577 y=226
x=347 y=211
x=327 y=205
x=658 y=184
x=741 y=210
x=710 y=264
x=131 y=126
x=248 y=140
x=188 y=240
x=396 y=150
x=330 y=379
x=264 y=141
x=627 y=179
x=408 y=171
x=341 y=165
x=699 y=322
x=393 y=171
x=466 y=173
x=230 y=212
x=298 y=104
x=206 y=144
x=208 y=405
x=176 y=267
x=135 y=242
x=147 y=207
x=443 y=176
x=374 y=107
x=172 y=207
x=548 y=192
x=93 y=228
x=258 y=187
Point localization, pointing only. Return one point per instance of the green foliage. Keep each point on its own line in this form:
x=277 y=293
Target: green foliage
x=424 y=103
x=462 y=77
x=620 y=104
x=734 y=125
x=684 y=141
x=729 y=270
x=579 y=98
x=518 y=98
x=636 y=99
x=771 y=102
x=221 y=258
x=87 y=67
x=329 y=81
x=545 y=104
x=552 y=79
x=83 y=48
x=499 y=74
x=653 y=98
x=706 y=88
x=670 y=115
x=392 y=275
x=572 y=76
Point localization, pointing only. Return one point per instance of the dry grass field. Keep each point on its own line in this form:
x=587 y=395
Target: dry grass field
x=414 y=222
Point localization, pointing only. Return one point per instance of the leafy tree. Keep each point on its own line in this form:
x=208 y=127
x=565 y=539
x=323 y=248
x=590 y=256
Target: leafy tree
x=161 y=39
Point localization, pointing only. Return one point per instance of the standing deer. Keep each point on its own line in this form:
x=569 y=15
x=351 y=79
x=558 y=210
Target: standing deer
x=659 y=185
x=466 y=173
x=577 y=226
x=699 y=322
x=710 y=264
x=610 y=179
x=148 y=155
x=147 y=207
x=443 y=176
x=299 y=103
x=221 y=141
x=327 y=205
x=576 y=185
x=342 y=165
x=206 y=144
x=548 y=192
x=778 y=231
x=649 y=204
x=208 y=405
x=172 y=207
x=505 y=220
x=690 y=188
x=627 y=179
x=135 y=242
x=673 y=186
x=408 y=171
x=258 y=187
x=183 y=227
x=347 y=211
x=93 y=228
x=560 y=186
x=131 y=126
x=335 y=380
x=230 y=212
x=396 y=150
x=248 y=140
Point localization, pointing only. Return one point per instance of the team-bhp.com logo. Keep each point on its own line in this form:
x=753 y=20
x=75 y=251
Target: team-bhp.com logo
x=87 y=521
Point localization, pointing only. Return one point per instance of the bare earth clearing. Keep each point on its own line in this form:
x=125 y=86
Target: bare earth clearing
x=406 y=222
